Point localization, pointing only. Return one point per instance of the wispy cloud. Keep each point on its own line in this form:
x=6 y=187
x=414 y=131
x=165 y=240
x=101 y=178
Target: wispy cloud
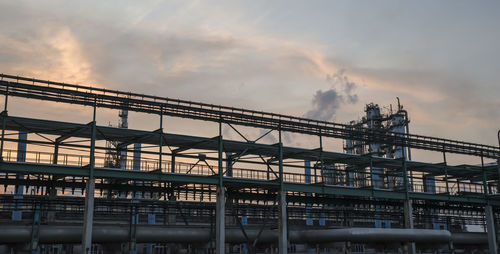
x=218 y=55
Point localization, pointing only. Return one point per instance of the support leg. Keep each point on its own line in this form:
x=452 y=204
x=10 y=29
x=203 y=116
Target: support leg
x=220 y=232
x=35 y=231
x=408 y=216
x=132 y=231
x=490 y=224
x=283 y=237
x=88 y=216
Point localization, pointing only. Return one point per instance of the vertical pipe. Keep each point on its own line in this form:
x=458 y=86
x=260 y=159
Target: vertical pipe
x=229 y=164
x=446 y=173
x=407 y=146
x=280 y=158
x=51 y=215
x=161 y=139
x=371 y=173
x=220 y=154
x=321 y=161
x=136 y=164
x=89 y=192
x=307 y=173
x=172 y=162
x=4 y=122
x=408 y=209
x=498 y=165
x=220 y=202
x=55 y=158
x=485 y=179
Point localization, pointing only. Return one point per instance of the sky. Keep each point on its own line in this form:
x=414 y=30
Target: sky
x=317 y=59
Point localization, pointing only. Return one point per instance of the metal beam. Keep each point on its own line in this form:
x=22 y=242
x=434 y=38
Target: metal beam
x=220 y=212
x=67 y=93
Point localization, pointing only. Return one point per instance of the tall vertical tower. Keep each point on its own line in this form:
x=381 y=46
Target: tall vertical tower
x=379 y=120
x=374 y=121
x=116 y=155
x=123 y=123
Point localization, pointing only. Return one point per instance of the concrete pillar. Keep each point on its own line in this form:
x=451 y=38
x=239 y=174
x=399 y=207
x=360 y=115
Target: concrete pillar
x=490 y=225
x=134 y=218
x=408 y=217
x=220 y=229
x=283 y=237
x=88 y=216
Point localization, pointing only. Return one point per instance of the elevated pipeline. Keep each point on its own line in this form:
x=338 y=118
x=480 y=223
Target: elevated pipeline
x=158 y=234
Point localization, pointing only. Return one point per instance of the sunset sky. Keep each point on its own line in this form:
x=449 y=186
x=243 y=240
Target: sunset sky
x=320 y=59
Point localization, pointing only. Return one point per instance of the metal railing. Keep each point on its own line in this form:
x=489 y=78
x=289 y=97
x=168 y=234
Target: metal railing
x=361 y=179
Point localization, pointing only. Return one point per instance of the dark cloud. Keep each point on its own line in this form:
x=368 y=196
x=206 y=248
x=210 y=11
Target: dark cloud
x=326 y=103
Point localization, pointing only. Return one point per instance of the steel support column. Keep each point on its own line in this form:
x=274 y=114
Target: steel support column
x=498 y=162
x=55 y=158
x=35 y=231
x=491 y=229
x=220 y=222
x=446 y=173
x=220 y=232
x=408 y=216
x=283 y=237
x=89 y=194
x=4 y=120
x=161 y=140
x=134 y=217
x=408 y=209
x=485 y=178
x=283 y=232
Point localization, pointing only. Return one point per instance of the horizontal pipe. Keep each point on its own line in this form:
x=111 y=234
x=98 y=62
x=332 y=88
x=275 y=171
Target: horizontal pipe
x=158 y=234
x=377 y=235
x=470 y=238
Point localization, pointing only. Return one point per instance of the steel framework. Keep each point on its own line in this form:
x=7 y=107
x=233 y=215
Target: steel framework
x=464 y=193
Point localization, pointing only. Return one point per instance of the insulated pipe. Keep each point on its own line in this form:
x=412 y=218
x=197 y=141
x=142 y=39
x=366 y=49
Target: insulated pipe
x=377 y=235
x=470 y=238
x=148 y=234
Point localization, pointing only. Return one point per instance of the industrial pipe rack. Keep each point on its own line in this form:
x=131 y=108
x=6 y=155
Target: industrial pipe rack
x=462 y=193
